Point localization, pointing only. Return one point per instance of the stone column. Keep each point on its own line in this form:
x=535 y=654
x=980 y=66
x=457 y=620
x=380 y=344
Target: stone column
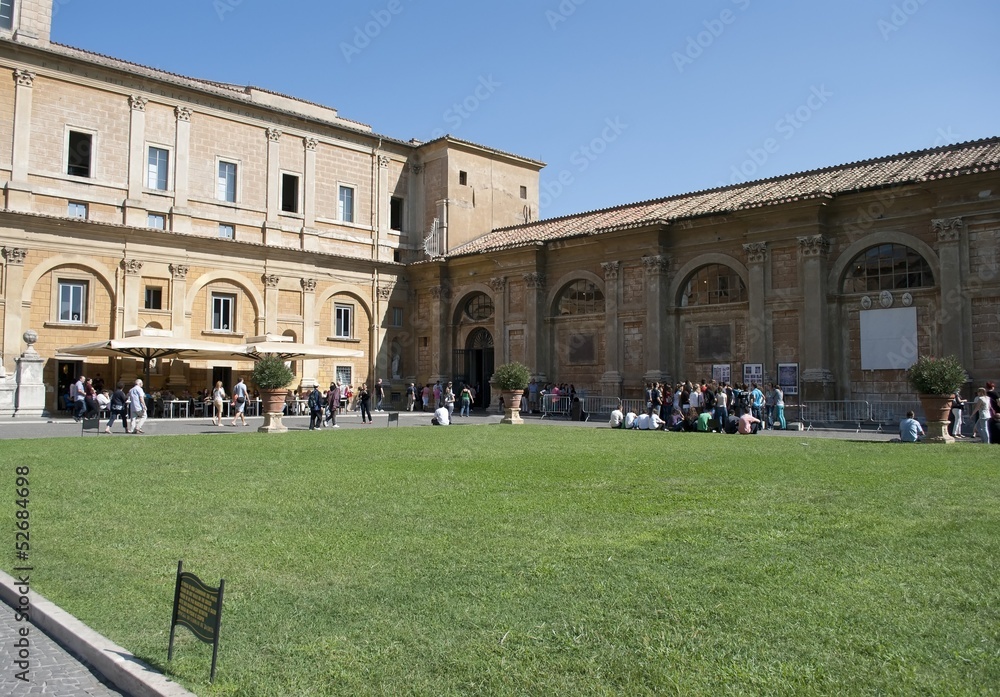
x=135 y=211
x=413 y=225
x=130 y=299
x=536 y=345
x=18 y=189
x=950 y=232
x=817 y=381
x=381 y=226
x=310 y=238
x=757 y=323
x=30 y=386
x=656 y=325
x=440 y=350
x=611 y=381
x=180 y=214
x=310 y=369
x=13 y=288
x=178 y=296
x=501 y=346
x=272 y=230
x=383 y=291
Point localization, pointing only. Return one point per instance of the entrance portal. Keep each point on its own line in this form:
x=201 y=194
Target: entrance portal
x=474 y=365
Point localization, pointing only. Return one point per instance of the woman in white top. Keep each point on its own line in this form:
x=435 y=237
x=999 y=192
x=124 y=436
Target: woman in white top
x=218 y=397
x=984 y=410
x=779 y=407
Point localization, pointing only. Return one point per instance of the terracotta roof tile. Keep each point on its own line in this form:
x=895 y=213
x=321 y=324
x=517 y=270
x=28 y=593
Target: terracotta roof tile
x=911 y=167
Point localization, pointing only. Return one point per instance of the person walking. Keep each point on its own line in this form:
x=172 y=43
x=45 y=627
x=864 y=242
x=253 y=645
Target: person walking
x=379 y=394
x=448 y=399
x=315 y=402
x=240 y=397
x=332 y=404
x=218 y=399
x=364 y=402
x=411 y=396
x=118 y=407
x=137 y=407
x=984 y=411
x=778 y=401
x=465 y=396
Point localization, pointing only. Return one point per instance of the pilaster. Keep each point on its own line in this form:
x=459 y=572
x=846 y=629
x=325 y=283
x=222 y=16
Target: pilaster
x=18 y=189
x=310 y=241
x=814 y=345
x=180 y=214
x=13 y=287
x=178 y=295
x=950 y=234
x=440 y=355
x=382 y=208
x=757 y=322
x=271 y=225
x=133 y=291
x=498 y=285
x=655 y=268
x=271 y=282
x=310 y=368
x=612 y=380
x=135 y=209
x=536 y=346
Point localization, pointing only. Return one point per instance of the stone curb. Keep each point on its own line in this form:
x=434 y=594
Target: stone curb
x=115 y=664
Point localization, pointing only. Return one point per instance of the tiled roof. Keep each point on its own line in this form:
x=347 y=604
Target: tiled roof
x=906 y=168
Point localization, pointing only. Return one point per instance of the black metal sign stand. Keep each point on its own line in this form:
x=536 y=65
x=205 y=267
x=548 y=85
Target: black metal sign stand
x=199 y=608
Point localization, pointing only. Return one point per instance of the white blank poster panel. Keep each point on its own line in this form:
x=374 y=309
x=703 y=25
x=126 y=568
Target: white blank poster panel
x=888 y=338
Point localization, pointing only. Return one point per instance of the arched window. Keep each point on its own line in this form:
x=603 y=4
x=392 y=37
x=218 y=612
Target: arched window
x=887 y=267
x=479 y=308
x=581 y=298
x=714 y=284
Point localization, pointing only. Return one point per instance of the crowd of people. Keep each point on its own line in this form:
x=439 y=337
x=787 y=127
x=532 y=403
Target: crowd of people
x=706 y=407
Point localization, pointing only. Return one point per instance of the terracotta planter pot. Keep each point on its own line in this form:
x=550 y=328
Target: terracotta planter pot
x=271 y=403
x=936 y=409
x=512 y=407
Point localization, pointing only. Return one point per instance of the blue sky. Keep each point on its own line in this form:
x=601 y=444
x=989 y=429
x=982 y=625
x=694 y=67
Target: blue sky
x=625 y=101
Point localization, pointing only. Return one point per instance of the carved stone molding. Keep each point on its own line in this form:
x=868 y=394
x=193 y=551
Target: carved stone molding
x=416 y=169
x=270 y=280
x=179 y=272
x=273 y=134
x=440 y=292
x=15 y=255
x=611 y=270
x=498 y=284
x=132 y=267
x=183 y=113
x=24 y=78
x=383 y=161
x=814 y=246
x=384 y=291
x=535 y=281
x=656 y=264
x=310 y=143
x=756 y=252
x=309 y=285
x=137 y=102
x=948 y=229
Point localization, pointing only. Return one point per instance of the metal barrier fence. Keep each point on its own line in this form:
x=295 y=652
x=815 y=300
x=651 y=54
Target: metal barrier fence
x=857 y=412
x=554 y=405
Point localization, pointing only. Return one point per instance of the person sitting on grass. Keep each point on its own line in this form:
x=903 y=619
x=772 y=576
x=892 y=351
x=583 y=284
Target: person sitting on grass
x=749 y=424
x=441 y=417
x=704 y=422
x=910 y=429
x=617 y=417
x=649 y=421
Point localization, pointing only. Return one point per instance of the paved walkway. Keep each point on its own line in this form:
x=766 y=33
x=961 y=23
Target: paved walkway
x=52 y=670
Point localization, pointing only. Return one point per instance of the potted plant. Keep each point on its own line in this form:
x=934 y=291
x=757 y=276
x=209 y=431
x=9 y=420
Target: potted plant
x=935 y=380
x=272 y=376
x=511 y=379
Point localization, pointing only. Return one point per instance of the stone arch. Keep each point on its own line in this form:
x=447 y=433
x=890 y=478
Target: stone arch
x=560 y=285
x=839 y=267
x=342 y=289
x=237 y=279
x=685 y=272
x=458 y=302
x=103 y=273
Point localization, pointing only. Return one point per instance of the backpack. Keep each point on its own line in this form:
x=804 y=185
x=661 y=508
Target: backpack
x=314 y=400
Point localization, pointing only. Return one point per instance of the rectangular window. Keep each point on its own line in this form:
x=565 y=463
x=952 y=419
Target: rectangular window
x=463 y=178
x=289 y=193
x=396 y=213
x=397 y=317
x=524 y=192
x=344 y=323
x=344 y=375
x=345 y=204
x=227 y=232
x=76 y=210
x=73 y=301
x=156 y=220
x=154 y=298
x=79 y=154
x=157 y=166
x=222 y=312
x=226 y=186
x=6 y=14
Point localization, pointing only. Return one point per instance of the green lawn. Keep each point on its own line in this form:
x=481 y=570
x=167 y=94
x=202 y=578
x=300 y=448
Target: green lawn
x=535 y=560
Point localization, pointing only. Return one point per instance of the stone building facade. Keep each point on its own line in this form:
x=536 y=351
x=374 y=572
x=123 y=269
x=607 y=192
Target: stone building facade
x=135 y=198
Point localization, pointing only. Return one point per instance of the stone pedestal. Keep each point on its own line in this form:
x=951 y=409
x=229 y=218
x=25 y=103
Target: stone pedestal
x=512 y=407
x=272 y=424
x=936 y=410
x=30 y=388
x=8 y=392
